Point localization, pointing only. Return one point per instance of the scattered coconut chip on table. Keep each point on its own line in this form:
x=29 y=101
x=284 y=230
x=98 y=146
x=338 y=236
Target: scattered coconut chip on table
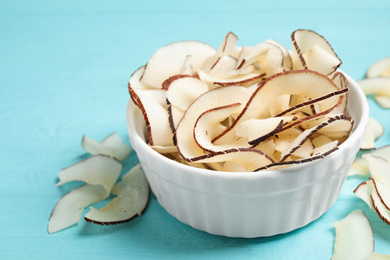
x=342 y=83
x=112 y=146
x=122 y=150
x=168 y=81
x=100 y=173
x=99 y=169
x=379 y=169
x=376 y=191
x=93 y=147
x=380 y=68
x=287 y=62
x=383 y=193
x=245 y=80
x=248 y=158
x=379 y=87
x=360 y=165
x=312 y=51
x=364 y=190
x=296 y=104
x=132 y=197
x=258 y=130
x=354 y=237
x=383 y=100
x=374 y=86
x=69 y=208
x=377 y=256
x=374 y=130
x=380 y=208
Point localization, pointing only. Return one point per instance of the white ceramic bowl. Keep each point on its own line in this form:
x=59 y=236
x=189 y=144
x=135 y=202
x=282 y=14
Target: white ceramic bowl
x=238 y=204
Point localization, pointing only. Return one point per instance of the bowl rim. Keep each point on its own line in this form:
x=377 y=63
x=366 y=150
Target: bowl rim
x=276 y=173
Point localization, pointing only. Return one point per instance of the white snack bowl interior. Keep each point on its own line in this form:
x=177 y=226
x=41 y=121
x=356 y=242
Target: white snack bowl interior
x=250 y=204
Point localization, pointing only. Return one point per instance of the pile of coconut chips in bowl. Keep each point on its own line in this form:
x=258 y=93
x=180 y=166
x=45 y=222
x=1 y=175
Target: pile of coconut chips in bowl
x=246 y=141
x=244 y=108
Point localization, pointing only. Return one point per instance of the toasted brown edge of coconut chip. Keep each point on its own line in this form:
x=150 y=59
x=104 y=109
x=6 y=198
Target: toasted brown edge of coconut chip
x=316 y=129
x=262 y=83
x=232 y=150
x=168 y=81
x=138 y=102
x=200 y=116
x=295 y=162
x=257 y=141
x=106 y=223
x=300 y=55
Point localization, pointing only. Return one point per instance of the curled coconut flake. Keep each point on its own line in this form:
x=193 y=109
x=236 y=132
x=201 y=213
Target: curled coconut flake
x=183 y=91
x=286 y=83
x=302 y=138
x=377 y=256
x=227 y=47
x=379 y=169
x=364 y=190
x=285 y=93
x=318 y=155
x=380 y=208
x=121 y=149
x=93 y=147
x=169 y=60
x=132 y=196
x=375 y=86
x=383 y=193
x=380 y=68
x=223 y=66
x=156 y=118
x=374 y=130
x=69 y=208
x=218 y=97
x=354 y=237
x=342 y=83
x=112 y=146
x=360 y=165
x=383 y=100
x=97 y=170
x=258 y=130
x=248 y=158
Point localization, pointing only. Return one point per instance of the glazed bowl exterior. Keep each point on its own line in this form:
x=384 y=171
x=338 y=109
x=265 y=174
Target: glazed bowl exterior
x=250 y=204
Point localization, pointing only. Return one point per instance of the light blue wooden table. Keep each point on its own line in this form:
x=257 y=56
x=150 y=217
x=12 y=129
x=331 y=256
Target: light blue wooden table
x=64 y=67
